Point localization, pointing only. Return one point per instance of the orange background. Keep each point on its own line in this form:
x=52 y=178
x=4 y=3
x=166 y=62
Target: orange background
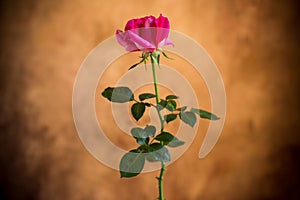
x=255 y=44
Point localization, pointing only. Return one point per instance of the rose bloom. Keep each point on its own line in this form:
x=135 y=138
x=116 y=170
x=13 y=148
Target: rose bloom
x=145 y=34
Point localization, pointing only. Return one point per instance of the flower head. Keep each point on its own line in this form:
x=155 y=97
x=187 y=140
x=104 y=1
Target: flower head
x=145 y=34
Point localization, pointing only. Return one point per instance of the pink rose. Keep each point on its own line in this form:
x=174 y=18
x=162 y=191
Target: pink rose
x=145 y=34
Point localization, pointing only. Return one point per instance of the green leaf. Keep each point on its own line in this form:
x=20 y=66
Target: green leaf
x=171 y=105
x=170 y=117
x=145 y=55
x=150 y=130
x=162 y=104
x=154 y=59
x=169 y=139
x=181 y=109
x=188 y=118
x=132 y=163
x=148 y=104
x=145 y=63
x=138 y=110
x=133 y=66
x=164 y=137
x=204 y=114
x=142 y=135
x=138 y=133
x=172 y=97
x=175 y=143
x=136 y=64
x=118 y=94
x=157 y=152
x=142 y=141
x=143 y=148
x=144 y=96
x=165 y=55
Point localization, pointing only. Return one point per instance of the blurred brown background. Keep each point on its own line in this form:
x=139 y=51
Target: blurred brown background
x=255 y=44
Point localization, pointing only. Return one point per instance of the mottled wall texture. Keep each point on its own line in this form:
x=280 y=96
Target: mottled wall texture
x=255 y=44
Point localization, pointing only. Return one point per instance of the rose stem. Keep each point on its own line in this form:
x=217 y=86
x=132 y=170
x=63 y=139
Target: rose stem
x=162 y=170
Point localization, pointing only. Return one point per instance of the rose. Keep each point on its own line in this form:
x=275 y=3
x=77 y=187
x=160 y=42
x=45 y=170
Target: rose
x=149 y=34
x=145 y=34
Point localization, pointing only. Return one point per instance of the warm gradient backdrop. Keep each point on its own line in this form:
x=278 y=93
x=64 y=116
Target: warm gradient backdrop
x=255 y=44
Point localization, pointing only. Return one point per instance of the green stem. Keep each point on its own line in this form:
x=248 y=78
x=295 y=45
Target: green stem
x=160 y=182
x=162 y=170
x=155 y=80
x=157 y=93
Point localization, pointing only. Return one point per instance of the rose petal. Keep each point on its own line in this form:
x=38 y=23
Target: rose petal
x=165 y=42
x=124 y=40
x=145 y=34
x=161 y=35
x=163 y=28
x=148 y=34
x=140 y=43
x=140 y=23
x=130 y=25
x=150 y=21
x=163 y=22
